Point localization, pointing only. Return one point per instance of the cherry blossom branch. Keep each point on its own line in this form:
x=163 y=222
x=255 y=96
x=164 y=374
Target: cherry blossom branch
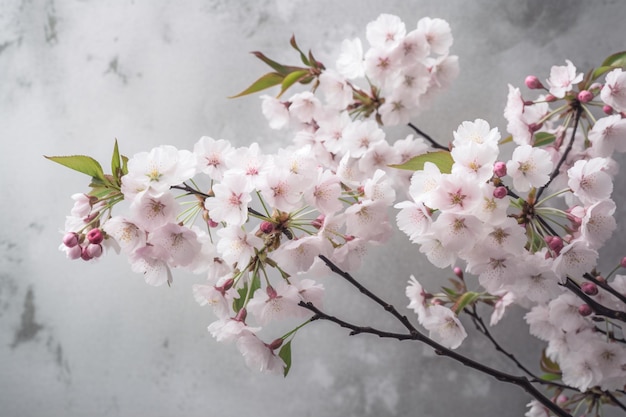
x=604 y=285
x=427 y=137
x=597 y=308
x=440 y=350
x=482 y=328
x=414 y=334
x=555 y=172
x=615 y=400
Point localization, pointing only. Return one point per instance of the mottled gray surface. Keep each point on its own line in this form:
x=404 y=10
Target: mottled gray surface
x=94 y=340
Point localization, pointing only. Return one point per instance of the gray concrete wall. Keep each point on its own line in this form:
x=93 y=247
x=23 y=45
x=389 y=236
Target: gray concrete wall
x=79 y=339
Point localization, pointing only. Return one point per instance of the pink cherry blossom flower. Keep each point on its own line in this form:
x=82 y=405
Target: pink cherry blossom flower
x=212 y=155
x=127 y=234
x=275 y=111
x=258 y=355
x=231 y=199
x=562 y=79
x=276 y=303
x=386 y=31
x=589 y=180
x=529 y=167
x=613 y=92
x=444 y=326
x=598 y=223
x=336 y=91
x=438 y=34
x=607 y=135
x=350 y=61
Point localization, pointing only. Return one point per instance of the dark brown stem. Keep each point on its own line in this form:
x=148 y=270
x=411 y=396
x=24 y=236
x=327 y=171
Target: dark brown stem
x=604 y=285
x=432 y=141
x=597 y=308
x=414 y=334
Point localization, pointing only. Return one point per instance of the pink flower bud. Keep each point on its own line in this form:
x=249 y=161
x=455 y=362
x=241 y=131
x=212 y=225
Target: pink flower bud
x=267 y=227
x=533 y=82
x=271 y=292
x=589 y=288
x=607 y=109
x=550 y=98
x=458 y=272
x=319 y=221
x=584 y=310
x=535 y=126
x=499 y=169
x=622 y=263
x=95 y=236
x=70 y=239
x=275 y=344
x=84 y=254
x=556 y=244
x=94 y=250
x=500 y=192
x=212 y=223
x=74 y=252
x=601 y=279
x=585 y=96
x=228 y=284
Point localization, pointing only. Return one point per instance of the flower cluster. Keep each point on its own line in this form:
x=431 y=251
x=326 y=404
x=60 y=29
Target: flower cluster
x=261 y=226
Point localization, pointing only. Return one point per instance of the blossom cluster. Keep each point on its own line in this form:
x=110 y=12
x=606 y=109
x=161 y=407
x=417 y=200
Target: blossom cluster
x=529 y=226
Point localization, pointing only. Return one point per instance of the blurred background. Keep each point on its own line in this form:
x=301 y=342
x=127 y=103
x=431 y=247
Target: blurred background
x=92 y=339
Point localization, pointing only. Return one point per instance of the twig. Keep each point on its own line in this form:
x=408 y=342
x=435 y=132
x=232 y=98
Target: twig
x=597 y=308
x=428 y=138
x=414 y=334
x=606 y=286
x=555 y=172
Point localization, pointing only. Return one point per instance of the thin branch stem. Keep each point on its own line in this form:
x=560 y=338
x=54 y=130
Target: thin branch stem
x=414 y=334
x=606 y=286
x=556 y=170
x=597 y=308
x=427 y=137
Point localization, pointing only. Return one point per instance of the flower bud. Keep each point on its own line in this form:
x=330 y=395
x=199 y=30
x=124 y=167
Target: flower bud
x=70 y=239
x=622 y=263
x=241 y=315
x=271 y=292
x=275 y=344
x=607 y=109
x=499 y=169
x=585 y=96
x=500 y=192
x=589 y=288
x=94 y=250
x=550 y=98
x=212 y=223
x=95 y=236
x=267 y=227
x=584 y=310
x=74 y=252
x=458 y=272
x=533 y=82
x=555 y=243
x=319 y=221
x=84 y=254
x=535 y=126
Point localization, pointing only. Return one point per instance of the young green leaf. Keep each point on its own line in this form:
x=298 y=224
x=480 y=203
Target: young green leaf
x=116 y=164
x=81 y=163
x=442 y=159
x=618 y=59
x=285 y=355
x=465 y=300
x=543 y=138
x=279 y=68
x=295 y=46
x=243 y=292
x=291 y=79
x=266 y=81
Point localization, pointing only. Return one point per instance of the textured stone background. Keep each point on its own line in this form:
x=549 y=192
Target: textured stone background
x=78 y=339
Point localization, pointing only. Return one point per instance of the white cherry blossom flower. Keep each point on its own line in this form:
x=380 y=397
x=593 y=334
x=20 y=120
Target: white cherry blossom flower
x=350 y=61
x=212 y=155
x=607 y=135
x=529 y=167
x=613 y=92
x=275 y=111
x=258 y=355
x=589 y=180
x=598 y=223
x=563 y=78
x=438 y=34
x=444 y=326
x=386 y=31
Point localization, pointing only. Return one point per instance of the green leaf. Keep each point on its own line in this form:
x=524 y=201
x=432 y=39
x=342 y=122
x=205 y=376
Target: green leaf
x=598 y=72
x=294 y=45
x=618 y=59
x=266 y=81
x=279 y=68
x=285 y=355
x=243 y=292
x=547 y=365
x=550 y=377
x=543 y=138
x=451 y=293
x=81 y=163
x=442 y=159
x=463 y=301
x=116 y=164
x=124 y=165
x=291 y=79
